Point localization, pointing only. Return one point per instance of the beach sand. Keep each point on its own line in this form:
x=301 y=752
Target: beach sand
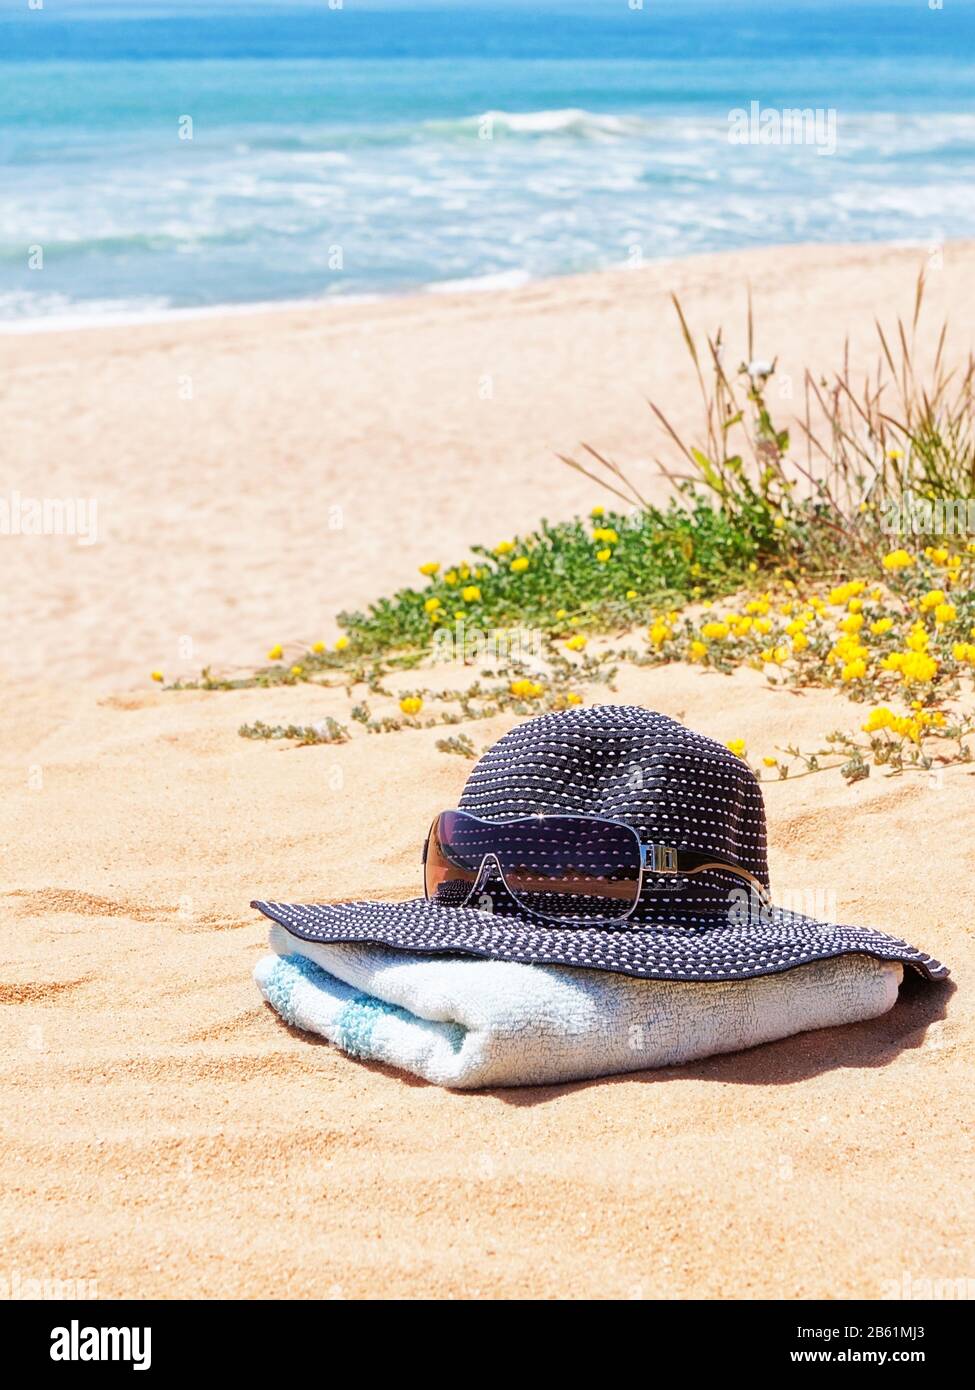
x=163 y=1134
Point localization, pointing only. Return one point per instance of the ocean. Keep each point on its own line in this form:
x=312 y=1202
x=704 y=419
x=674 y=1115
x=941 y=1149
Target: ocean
x=158 y=157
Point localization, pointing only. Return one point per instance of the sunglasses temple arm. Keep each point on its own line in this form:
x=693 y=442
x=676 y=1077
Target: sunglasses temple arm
x=663 y=859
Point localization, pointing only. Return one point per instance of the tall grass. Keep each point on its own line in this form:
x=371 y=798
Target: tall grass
x=859 y=449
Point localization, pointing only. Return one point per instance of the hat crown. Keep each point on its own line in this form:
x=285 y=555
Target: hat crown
x=625 y=763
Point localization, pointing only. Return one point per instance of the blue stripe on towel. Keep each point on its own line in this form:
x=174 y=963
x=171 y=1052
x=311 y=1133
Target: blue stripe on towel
x=357 y=1020
x=280 y=985
x=355 y=1023
x=354 y=1026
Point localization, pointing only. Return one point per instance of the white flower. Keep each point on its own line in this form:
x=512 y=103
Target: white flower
x=759 y=368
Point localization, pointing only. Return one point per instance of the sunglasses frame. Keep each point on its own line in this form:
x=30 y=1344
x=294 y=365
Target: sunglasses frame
x=653 y=859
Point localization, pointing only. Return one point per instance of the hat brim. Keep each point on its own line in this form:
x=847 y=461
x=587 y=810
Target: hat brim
x=716 y=950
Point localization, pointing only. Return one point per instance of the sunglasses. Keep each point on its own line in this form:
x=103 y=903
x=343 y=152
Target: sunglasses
x=558 y=868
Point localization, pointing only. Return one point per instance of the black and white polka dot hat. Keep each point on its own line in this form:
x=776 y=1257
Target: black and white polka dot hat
x=674 y=787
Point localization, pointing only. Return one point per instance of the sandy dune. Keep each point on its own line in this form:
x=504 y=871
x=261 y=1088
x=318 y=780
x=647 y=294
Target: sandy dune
x=325 y=453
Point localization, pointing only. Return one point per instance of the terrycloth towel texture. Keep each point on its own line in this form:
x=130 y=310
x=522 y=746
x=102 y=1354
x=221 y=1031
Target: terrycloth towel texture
x=463 y=1022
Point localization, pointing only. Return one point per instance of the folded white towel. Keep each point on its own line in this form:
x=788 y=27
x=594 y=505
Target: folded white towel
x=464 y=1022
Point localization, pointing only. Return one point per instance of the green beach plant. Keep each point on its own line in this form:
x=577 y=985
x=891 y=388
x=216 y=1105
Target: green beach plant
x=871 y=450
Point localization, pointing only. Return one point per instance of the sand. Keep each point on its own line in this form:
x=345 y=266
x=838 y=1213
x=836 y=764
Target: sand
x=163 y=1134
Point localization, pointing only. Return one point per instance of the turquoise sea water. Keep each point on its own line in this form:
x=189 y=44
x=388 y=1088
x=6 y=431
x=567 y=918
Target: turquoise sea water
x=373 y=148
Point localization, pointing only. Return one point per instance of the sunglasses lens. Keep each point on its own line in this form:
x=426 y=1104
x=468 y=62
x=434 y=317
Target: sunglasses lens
x=564 y=867
x=455 y=853
x=570 y=867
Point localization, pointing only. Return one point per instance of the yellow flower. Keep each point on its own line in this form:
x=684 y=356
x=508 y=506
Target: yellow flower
x=459 y=613
x=561 y=613
x=775 y=656
x=659 y=633
x=918 y=667
x=917 y=639
x=848 y=648
x=471 y=594
x=740 y=626
x=715 y=631
x=937 y=555
x=603 y=555
x=800 y=642
x=431 y=605
x=763 y=625
x=779 y=523
x=606 y=534
x=297 y=670
x=945 y=613
x=411 y=704
x=631 y=594
x=573 y=699
x=964 y=651
x=696 y=571
x=520 y=565
x=854 y=669
x=736 y=746
x=527 y=689
x=341 y=643
x=932 y=598
x=504 y=547
x=758 y=605
x=275 y=654
x=318 y=647
x=752 y=567
x=788 y=608
x=769 y=762
x=157 y=675
x=895 y=453
x=576 y=643
x=698 y=651
x=844 y=592
x=450 y=577
x=464 y=571
x=598 y=511
x=897 y=560
x=851 y=623
x=430 y=568
x=879 y=718
x=881 y=626
x=855 y=605
x=797 y=626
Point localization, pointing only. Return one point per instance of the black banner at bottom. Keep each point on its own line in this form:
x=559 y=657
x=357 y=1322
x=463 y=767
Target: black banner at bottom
x=167 y=1338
